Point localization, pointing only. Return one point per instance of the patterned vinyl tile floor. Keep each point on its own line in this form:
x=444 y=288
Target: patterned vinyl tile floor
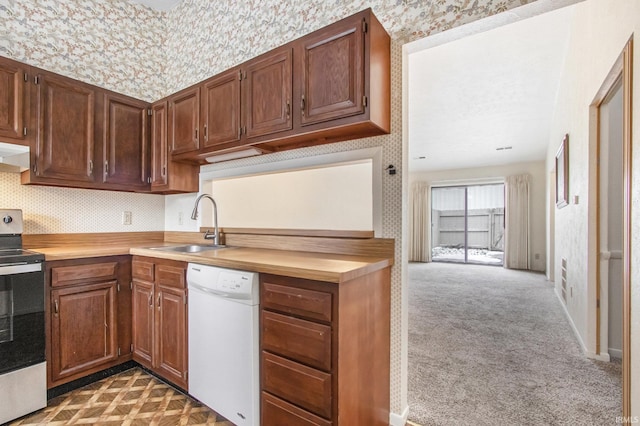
x=131 y=398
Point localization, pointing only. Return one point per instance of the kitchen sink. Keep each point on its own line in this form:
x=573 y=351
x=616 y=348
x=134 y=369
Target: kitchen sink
x=191 y=248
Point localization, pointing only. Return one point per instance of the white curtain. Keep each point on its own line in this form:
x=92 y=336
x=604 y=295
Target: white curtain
x=516 y=226
x=419 y=223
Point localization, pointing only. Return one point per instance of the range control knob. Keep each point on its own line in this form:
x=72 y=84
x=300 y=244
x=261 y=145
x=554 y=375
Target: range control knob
x=7 y=219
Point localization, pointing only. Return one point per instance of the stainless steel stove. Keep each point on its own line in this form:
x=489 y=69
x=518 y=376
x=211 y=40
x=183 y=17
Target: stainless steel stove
x=23 y=384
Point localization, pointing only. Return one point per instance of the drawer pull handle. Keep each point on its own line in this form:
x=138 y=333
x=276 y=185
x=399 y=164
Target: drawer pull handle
x=56 y=307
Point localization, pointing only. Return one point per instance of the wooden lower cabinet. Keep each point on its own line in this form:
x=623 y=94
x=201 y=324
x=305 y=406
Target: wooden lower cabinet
x=159 y=317
x=276 y=411
x=89 y=327
x=325 y=350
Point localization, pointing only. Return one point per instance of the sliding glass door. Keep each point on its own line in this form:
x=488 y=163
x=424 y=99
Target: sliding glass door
x=467 y=224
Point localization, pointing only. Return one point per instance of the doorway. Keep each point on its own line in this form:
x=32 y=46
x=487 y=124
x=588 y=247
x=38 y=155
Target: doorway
x=610 y=130
x=611 y=217
x=467 y=224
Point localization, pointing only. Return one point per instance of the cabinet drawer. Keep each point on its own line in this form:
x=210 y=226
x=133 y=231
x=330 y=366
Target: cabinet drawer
x=277 y=412
x=301 y=385
x=303 y=341
x=170 y=276
x=142 y=270
x=81 y=274
x=309 y=304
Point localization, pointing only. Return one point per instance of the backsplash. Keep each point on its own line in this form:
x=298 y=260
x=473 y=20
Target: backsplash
x=50 y=210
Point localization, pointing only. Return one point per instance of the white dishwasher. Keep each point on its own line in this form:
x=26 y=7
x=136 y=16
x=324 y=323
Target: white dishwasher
x=223 y=341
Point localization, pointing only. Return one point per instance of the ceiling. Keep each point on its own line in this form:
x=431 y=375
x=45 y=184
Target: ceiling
x=161 y=5
x=486 y=99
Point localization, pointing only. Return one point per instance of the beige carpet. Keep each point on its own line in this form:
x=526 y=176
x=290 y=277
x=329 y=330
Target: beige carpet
x=490 y=346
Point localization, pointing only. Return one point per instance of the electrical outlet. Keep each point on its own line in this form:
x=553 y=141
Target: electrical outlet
x=537 y=256
x=126 y=218
x=180 y=218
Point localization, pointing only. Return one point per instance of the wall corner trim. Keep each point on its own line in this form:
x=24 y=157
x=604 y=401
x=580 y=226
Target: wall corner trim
x=399 y=419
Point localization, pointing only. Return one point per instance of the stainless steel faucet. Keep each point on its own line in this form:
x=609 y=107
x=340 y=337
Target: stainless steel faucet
x=194 y=215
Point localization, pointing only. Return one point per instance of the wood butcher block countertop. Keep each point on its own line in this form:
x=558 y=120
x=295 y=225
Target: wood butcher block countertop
x=313 y=266
x=321 y=266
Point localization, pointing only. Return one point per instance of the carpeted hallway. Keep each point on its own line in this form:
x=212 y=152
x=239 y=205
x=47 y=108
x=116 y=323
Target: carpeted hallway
x=491 y=346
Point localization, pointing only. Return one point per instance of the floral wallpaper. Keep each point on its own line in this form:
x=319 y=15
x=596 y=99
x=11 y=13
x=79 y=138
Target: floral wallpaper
x=132 y=49
x=204 y=39
x=109 y=43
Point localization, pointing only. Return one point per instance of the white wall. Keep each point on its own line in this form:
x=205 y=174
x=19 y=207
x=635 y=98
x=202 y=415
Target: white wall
x=489 y=174
x=333 y=198
x=600 y=30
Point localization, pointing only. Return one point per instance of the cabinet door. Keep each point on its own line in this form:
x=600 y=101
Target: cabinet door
x=142 y=312
x=65 y=139
x=332 y=80
x=159 y=149
x=126 y=141
x=168 y=176
x=268 y=94
x=83 y=328
x=184 y=121
x=13 y=101
x=170 y=359
x=221 y=109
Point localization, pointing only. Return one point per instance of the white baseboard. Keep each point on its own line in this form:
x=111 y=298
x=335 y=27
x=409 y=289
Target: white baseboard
x=399 y=419
x=573 y=326
x=602 y=356
x=615 y=353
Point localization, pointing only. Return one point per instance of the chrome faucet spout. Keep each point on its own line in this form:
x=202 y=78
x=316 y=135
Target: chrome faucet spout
x=194 y=215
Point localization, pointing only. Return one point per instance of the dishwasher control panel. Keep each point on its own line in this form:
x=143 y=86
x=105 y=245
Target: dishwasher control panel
x=228 y=283
x=234 y=282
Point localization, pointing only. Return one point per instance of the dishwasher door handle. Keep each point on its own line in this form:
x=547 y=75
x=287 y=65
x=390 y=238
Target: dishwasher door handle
x=207 y=290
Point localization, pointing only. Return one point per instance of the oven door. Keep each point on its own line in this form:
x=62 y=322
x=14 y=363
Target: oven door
x=22 y=330
x=23 y=370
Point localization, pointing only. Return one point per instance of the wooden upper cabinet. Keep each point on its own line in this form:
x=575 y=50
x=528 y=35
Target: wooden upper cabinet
x=221 y=109
x=328 y=86
x=333 y=73
x=126 y=141
x=65 y=129
x=268 y=85
x=159 y=149
x=14 y=101
x=168 y=176
x=184 y=121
